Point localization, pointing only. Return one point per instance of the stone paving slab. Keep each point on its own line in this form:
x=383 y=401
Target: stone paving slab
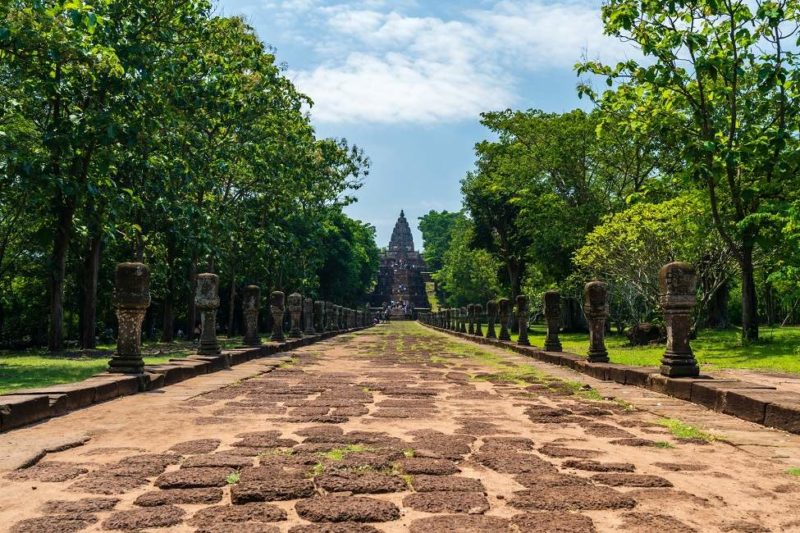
x=399 y=428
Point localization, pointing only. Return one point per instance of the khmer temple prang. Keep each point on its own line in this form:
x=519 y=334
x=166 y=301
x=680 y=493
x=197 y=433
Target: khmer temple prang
x=401 y=275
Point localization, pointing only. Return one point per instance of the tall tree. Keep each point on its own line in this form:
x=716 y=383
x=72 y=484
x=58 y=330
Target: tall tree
x=436 y=228
x=726 y=73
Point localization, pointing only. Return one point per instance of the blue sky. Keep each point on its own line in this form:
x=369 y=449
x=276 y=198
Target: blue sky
x=406 y=80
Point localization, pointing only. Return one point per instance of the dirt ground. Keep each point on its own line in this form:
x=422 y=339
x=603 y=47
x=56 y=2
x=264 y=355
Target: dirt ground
x=396 y=428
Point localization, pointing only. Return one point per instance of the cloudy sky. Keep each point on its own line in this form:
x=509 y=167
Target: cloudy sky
x=406 y=80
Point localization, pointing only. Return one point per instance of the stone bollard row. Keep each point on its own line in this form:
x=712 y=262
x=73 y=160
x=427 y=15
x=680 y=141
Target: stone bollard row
x=132 y=298
x=677 y=297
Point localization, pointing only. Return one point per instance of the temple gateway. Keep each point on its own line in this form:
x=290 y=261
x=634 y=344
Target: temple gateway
x=401 y=275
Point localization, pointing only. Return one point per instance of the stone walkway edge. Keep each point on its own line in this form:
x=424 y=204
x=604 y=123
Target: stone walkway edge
x=753 y=402
x=27 y=406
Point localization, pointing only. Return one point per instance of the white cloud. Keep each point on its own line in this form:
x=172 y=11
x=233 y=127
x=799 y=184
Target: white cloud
x=375 y=63
x=398 y=88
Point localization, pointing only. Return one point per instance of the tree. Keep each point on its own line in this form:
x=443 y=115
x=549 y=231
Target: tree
x=629 y=248
x=725 y=73
x=467 y=275
x=436 y=227
x=350 y=266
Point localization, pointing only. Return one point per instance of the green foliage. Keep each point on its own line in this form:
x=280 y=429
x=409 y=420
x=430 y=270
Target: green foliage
x=351 y=259
x=628 y=249
x=233 y=478
x=722 y=77
x=468 y=275
x=155 y=131
x=436 y=228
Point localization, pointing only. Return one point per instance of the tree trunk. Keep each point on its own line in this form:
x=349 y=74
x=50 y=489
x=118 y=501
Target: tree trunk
x=718 y=308
x=167 y=334
x=58 y=264
x=749 y=297
x=232 y=303
x=91 y=269
x=516 y=288
x=191 y=314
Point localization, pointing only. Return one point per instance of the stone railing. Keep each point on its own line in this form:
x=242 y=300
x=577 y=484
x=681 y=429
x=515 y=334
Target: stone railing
x=678 y=283
x=308 y=322
x=132 y=297
x=678 y=375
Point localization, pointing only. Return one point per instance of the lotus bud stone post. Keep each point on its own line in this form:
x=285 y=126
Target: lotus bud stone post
x=678 y=283
x=505 y=314
x=595 y=307
x=552 y=314
x=277 y=308
x=207 y=301
x=131 y=298
x=491 y=318
x=522 y=317
x=251 y=302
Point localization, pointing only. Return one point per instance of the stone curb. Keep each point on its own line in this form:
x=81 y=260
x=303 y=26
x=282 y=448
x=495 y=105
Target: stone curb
x=27 y=406
x=761 y=404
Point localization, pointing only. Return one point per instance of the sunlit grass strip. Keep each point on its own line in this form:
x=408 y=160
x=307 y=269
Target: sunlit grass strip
x=682 y=431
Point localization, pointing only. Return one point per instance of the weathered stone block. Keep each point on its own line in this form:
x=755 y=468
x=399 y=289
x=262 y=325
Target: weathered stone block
x=784 y=413
x=20 y=410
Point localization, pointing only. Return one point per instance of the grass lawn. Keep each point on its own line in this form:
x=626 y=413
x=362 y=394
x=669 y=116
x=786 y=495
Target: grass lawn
x=777 y=350
x=38 y=368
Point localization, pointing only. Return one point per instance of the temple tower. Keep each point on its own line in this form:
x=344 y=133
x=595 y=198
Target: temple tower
x=400 y=272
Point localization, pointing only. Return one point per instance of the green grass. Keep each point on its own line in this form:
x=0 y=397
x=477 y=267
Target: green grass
x=37 y=368
x=233 y=478
x=338 y=454
x=777 y=350
x=430 y=290
x=794 y=471
x=682 y=431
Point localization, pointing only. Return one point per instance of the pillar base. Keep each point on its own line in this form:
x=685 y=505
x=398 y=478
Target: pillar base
x=523 y=341
x=126 y=365
x=599 y=357
x=553 y=347
x=680 y=367
x=253 y=341
x=277 y=338
x=504 y=337
x=209 y=348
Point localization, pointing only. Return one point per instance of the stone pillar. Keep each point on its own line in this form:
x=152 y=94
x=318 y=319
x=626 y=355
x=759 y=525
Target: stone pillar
x=478 y=319
x=678 y=283
x=319 y=316
x=464 y=316
x=471 y=319
x=504 y=306
x=595 y=307
x=552 y=315
x=207 y=302
x=328 y=316
x=295 y=301
x=491 y=318
x=277 y=308
x=308 y=316
x=251 y=302
x=522 y=318
x=131 y=298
